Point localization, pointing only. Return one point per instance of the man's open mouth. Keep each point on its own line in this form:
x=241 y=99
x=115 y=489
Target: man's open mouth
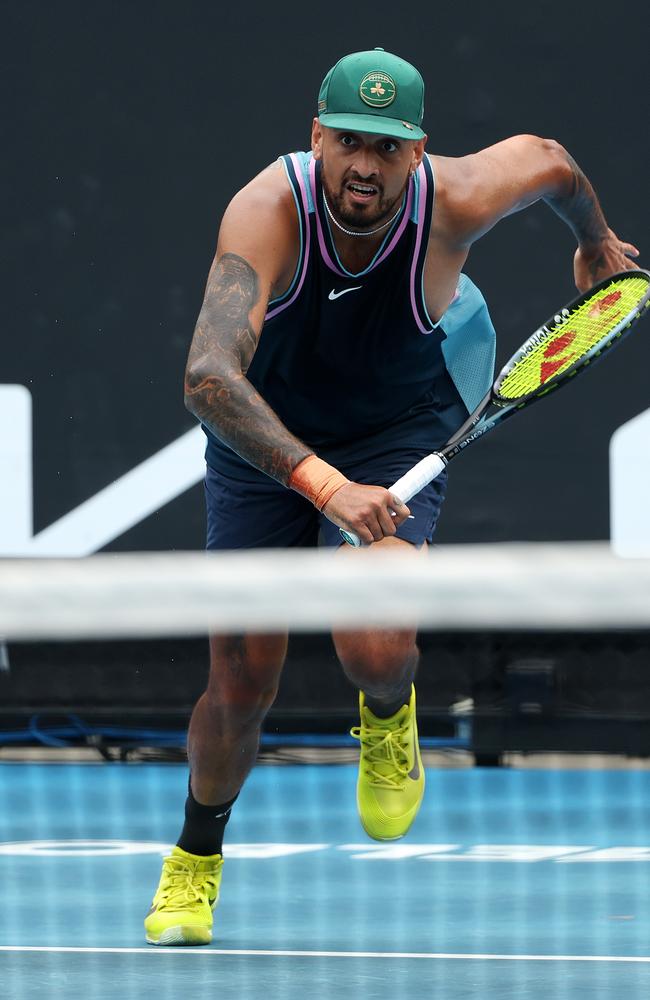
x=362 y=190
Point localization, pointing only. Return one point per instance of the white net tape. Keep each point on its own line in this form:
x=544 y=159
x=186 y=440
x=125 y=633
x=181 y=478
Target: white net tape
x=577 y=586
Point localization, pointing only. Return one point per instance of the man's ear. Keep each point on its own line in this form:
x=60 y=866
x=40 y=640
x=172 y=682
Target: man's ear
x=317 y=139
x=418 y=153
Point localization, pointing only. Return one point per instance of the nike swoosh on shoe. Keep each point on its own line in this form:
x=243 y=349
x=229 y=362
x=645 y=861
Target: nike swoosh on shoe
x=414 y=773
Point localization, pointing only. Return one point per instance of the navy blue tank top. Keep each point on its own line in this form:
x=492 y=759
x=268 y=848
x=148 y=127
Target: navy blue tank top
x=351 y=362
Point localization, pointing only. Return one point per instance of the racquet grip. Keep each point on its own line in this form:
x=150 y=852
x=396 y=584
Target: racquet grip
x=417 y=478
x=411 y=483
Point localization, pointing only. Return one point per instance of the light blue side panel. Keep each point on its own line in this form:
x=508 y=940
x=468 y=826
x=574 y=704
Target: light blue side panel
x=470 y=344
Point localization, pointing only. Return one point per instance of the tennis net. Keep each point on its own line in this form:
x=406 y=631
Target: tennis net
x=514 y=586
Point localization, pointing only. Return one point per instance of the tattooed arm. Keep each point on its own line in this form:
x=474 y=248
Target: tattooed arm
x=481 y=189
x=254 y=254
x=600 y=252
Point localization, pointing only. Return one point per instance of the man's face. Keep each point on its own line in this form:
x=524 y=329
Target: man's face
x=364 y=176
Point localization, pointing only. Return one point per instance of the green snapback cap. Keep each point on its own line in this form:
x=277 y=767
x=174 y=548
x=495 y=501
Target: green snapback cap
x=373 y=91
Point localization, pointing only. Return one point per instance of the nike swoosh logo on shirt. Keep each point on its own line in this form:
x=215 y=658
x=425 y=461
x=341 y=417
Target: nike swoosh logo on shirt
x=337 y=295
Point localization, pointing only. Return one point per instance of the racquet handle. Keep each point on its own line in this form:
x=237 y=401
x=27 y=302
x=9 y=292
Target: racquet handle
x=417 y=478
x=406 y=487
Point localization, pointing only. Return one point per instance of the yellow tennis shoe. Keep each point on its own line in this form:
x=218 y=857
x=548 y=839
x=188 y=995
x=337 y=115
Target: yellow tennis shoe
x=181 y=912
x=391 y=777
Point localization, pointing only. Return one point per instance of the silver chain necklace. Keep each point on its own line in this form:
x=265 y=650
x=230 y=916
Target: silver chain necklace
x=349 y=232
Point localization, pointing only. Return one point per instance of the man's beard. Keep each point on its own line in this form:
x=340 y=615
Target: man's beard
x=360 y=216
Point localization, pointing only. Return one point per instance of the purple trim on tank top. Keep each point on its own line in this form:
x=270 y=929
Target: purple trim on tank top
x=307 y=239
x=422 y=204
x=321 y=238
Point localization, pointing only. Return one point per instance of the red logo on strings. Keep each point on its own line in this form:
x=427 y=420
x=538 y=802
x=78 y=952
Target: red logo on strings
x=605 y=303
x=549 y=368
x=599 y=311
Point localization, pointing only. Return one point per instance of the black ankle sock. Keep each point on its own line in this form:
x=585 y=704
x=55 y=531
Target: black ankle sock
x=383 y=709
x=204 y=826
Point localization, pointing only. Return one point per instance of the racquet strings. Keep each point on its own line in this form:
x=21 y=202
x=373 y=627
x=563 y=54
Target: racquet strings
x=562 y=344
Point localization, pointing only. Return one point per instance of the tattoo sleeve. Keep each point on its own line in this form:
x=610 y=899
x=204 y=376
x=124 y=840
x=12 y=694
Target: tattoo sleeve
x=217 y=391
x=580 y=208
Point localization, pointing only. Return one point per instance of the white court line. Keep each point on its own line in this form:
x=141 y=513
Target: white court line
x=153 y=950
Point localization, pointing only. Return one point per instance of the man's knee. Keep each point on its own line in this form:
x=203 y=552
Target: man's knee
x=244 y=677
x=377 y=660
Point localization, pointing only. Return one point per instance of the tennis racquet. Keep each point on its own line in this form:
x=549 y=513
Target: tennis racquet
x=567 y=344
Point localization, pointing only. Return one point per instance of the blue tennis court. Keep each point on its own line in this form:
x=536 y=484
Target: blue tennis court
x=523 y=883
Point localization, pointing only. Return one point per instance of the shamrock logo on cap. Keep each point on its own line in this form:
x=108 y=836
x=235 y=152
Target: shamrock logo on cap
x=377 y=89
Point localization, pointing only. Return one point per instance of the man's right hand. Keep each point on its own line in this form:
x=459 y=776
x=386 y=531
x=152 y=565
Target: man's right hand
x=371 y=512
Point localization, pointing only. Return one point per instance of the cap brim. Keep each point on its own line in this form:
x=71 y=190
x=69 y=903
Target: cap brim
x=374 y=124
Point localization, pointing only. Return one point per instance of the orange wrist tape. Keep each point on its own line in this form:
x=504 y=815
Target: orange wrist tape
x=316 y=480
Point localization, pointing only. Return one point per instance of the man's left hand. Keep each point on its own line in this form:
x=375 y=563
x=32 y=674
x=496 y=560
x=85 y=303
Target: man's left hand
x=594 y=262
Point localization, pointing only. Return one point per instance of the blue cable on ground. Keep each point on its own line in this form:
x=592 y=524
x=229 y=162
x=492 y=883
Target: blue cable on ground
x=66 y=735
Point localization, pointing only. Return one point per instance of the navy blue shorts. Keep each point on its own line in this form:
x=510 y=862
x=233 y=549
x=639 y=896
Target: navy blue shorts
x=246 y=509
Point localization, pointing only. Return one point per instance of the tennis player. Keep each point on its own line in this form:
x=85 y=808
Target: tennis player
x=339 y=343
